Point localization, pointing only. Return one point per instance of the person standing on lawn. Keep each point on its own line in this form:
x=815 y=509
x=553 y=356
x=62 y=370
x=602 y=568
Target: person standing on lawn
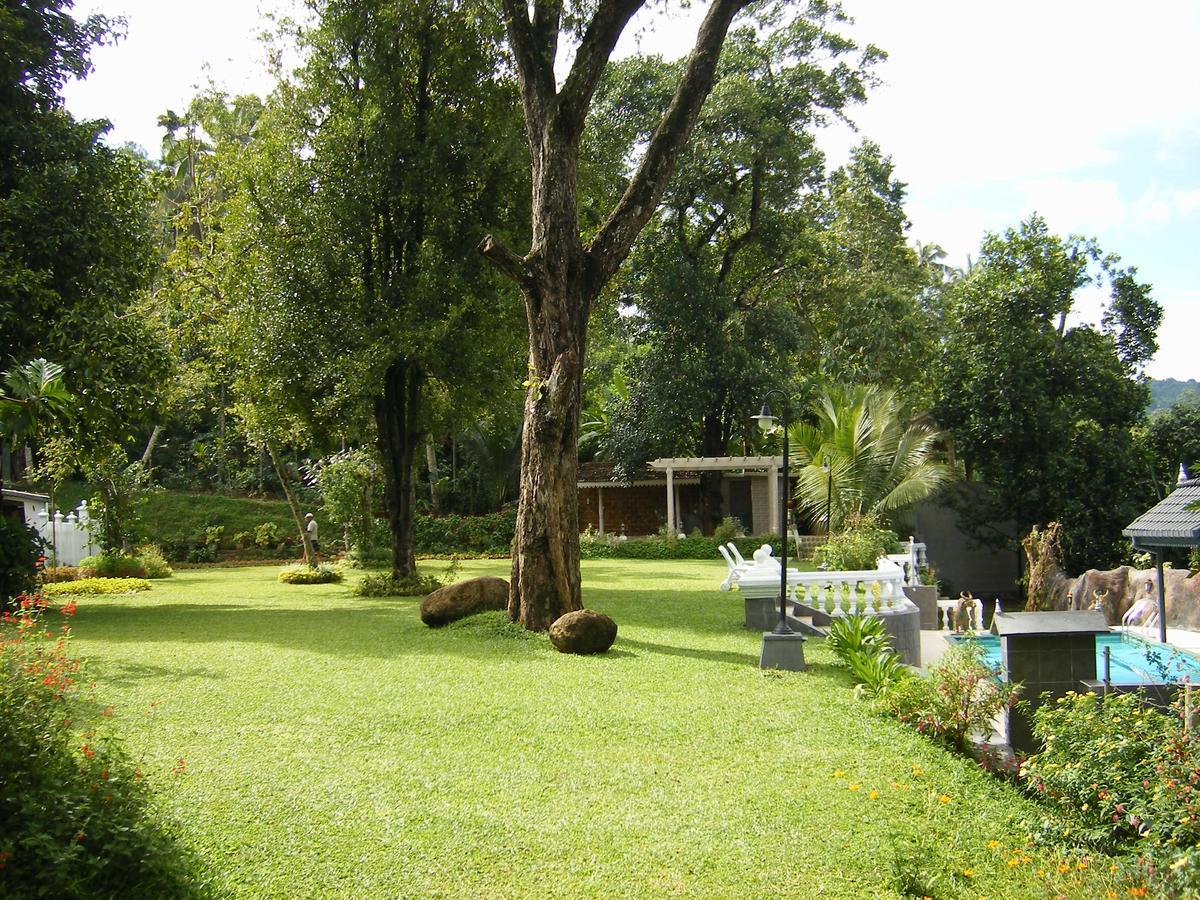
x=310 y=525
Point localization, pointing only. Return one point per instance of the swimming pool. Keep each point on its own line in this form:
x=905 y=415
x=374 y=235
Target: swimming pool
x=1134 y=660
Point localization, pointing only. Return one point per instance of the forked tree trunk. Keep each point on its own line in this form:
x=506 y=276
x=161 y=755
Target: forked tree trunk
x=560 y=277
x=397 y=412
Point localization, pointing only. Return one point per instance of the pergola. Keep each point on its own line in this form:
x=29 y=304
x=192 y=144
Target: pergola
x=1165 y=525
x=768 y=464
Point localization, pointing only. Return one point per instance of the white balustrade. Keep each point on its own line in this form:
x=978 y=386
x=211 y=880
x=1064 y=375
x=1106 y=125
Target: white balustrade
x=845 y=593
x=68 y=538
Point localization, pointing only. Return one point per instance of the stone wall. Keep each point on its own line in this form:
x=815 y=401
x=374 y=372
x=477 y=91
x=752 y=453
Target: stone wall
x=1126 y=584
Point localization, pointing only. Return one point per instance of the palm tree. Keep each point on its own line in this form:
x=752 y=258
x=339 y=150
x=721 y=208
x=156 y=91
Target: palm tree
x=857 y=458
x=32 y=397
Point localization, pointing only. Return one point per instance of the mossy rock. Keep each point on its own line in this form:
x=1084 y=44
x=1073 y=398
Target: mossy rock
x=464 y=598
x=583 y=631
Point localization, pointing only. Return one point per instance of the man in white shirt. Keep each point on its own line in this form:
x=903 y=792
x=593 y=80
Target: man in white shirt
x=310 y=525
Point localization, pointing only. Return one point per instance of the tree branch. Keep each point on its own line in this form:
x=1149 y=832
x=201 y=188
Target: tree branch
x=533 y=45
x=752 y=223
x=505 y=260
x=611 y=244
x=591 y=57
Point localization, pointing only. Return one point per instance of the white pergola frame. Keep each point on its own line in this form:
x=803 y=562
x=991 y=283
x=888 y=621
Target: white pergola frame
x=768 y=464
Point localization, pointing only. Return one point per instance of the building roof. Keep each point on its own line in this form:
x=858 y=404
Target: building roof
x=1086 y=621
x=603 y=474
x=1169 y=523
x=717 y=463
x=22 y=496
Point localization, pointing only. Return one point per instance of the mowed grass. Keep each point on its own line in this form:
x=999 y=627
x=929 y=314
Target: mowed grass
x=334 y=746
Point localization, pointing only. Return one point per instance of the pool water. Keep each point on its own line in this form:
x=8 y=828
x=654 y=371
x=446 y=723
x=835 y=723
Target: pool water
x=1134 y=660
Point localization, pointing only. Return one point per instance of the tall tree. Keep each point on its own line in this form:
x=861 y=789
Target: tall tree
x=76 y=250
x=1041 y=410
x=367 y=175
x=711 y=328
x=563 y=272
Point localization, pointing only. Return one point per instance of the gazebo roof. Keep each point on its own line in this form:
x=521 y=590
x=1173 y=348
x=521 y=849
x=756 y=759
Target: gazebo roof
x=717 y=463
x=1169 y=523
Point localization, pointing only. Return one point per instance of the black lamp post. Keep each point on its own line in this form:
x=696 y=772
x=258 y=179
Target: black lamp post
x=828 y=467
x=767 y=423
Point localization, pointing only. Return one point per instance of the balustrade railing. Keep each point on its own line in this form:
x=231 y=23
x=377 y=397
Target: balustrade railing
x=844 y=593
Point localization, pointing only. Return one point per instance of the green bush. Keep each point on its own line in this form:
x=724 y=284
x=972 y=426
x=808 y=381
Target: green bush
x=151 y=559
x=1127 y=777
x=858 y=548
x=20 y=549
x=96 y=586
x=856 y=634
x=82 y=822
x=418 y=585
x=111 y=565
x=491 y=533
x=727 y=530
x=959 y=699
x=302 y=574
x=267 y=536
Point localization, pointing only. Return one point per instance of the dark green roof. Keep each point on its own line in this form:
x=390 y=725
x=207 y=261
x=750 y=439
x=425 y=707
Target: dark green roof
x=1170 y=523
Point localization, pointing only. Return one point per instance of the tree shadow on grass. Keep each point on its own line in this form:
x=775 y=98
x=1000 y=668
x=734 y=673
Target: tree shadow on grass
x=375 y=630
x=720 y=656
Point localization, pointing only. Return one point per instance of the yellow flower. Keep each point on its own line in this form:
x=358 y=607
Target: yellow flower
x=992 y=845
x=1014 y=861
x=1063 y=867
x=968 y=873
x=918 y=771
x=943 y=798
x=1081 y=865
x=855 y=786
x=1110 y=893
x=838 y=773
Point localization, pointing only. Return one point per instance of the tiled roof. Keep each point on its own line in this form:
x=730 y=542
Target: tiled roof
x=1170 y=523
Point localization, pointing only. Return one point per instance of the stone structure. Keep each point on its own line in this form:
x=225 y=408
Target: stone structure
x=1120 y=588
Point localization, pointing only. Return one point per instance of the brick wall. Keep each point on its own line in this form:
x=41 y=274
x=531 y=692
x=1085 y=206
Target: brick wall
x=642 y=510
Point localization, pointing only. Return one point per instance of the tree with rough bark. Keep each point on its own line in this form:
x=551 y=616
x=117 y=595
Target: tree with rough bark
x=564 y=270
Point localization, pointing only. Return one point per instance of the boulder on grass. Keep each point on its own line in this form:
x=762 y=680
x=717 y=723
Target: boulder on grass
x=464 y=598
x=583 y=631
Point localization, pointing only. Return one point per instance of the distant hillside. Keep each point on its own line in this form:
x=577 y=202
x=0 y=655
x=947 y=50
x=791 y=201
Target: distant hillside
x=1165 y=392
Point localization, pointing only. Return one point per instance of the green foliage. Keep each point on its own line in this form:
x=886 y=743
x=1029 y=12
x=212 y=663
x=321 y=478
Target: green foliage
x=76 y=816
x=95 y=586
x=862 y=456
x=388 y=584
x=957 y=701
x=1173 y=435
x=267 y=535
x=1127 y=776
x=152 y=560
x=116 y=510
x=302 y=574
x=491 y=533
x=350 y=482
x=856 y=634
x=1045 y=413
x=112 y=565
x=858 y=548
x=726 y=531
x=19 y=555
x=32 y=397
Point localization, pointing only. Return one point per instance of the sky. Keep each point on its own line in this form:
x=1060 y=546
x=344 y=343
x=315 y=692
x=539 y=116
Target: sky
x=1084 y=112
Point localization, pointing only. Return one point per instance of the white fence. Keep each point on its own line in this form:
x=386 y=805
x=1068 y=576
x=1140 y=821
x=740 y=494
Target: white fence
x=68 y=539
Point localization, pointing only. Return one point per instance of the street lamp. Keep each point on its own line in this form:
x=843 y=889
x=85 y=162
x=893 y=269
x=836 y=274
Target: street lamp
x=768 y=423
x=827 y=467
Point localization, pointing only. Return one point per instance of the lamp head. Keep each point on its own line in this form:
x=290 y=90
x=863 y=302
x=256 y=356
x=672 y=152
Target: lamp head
x=765 y=420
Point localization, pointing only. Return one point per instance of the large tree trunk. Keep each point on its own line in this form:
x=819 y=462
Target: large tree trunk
x=560 y=277
x=397 y=413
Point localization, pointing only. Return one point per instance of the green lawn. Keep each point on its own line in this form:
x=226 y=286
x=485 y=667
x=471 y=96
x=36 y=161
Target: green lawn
x=334 y=746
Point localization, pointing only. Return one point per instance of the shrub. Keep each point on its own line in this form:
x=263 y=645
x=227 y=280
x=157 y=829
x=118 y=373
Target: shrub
x=51 y=574
x=243 y=540
x=593 y=545
x=302 y=574
x=856 y=634
x=489 y=533
x=111 y=565
x=82 y=823
x=418 y=585
x=960 y=698
x=267 y=536
x=727 y=530
x=858 y=548
x=20 y=549
x=1128 y=776
x=96 y=586
x=152 y=560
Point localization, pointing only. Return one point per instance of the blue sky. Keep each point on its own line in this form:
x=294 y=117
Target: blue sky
x=1086 y=112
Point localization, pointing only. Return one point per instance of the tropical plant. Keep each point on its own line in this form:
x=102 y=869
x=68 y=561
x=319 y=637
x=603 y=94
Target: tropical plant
x=856 y=633
x=33 y=396
x=859 y=458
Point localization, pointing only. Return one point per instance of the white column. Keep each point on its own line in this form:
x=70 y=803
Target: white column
x=600 y=506
x=773 y=497
x=670 y=500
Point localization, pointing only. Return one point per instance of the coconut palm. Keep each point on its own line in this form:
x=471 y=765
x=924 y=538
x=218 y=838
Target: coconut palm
x=861 y=456
x=32 y=398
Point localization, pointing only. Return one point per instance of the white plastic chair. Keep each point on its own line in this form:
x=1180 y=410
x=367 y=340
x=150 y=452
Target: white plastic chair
x=737 y=554
x=735 y=570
